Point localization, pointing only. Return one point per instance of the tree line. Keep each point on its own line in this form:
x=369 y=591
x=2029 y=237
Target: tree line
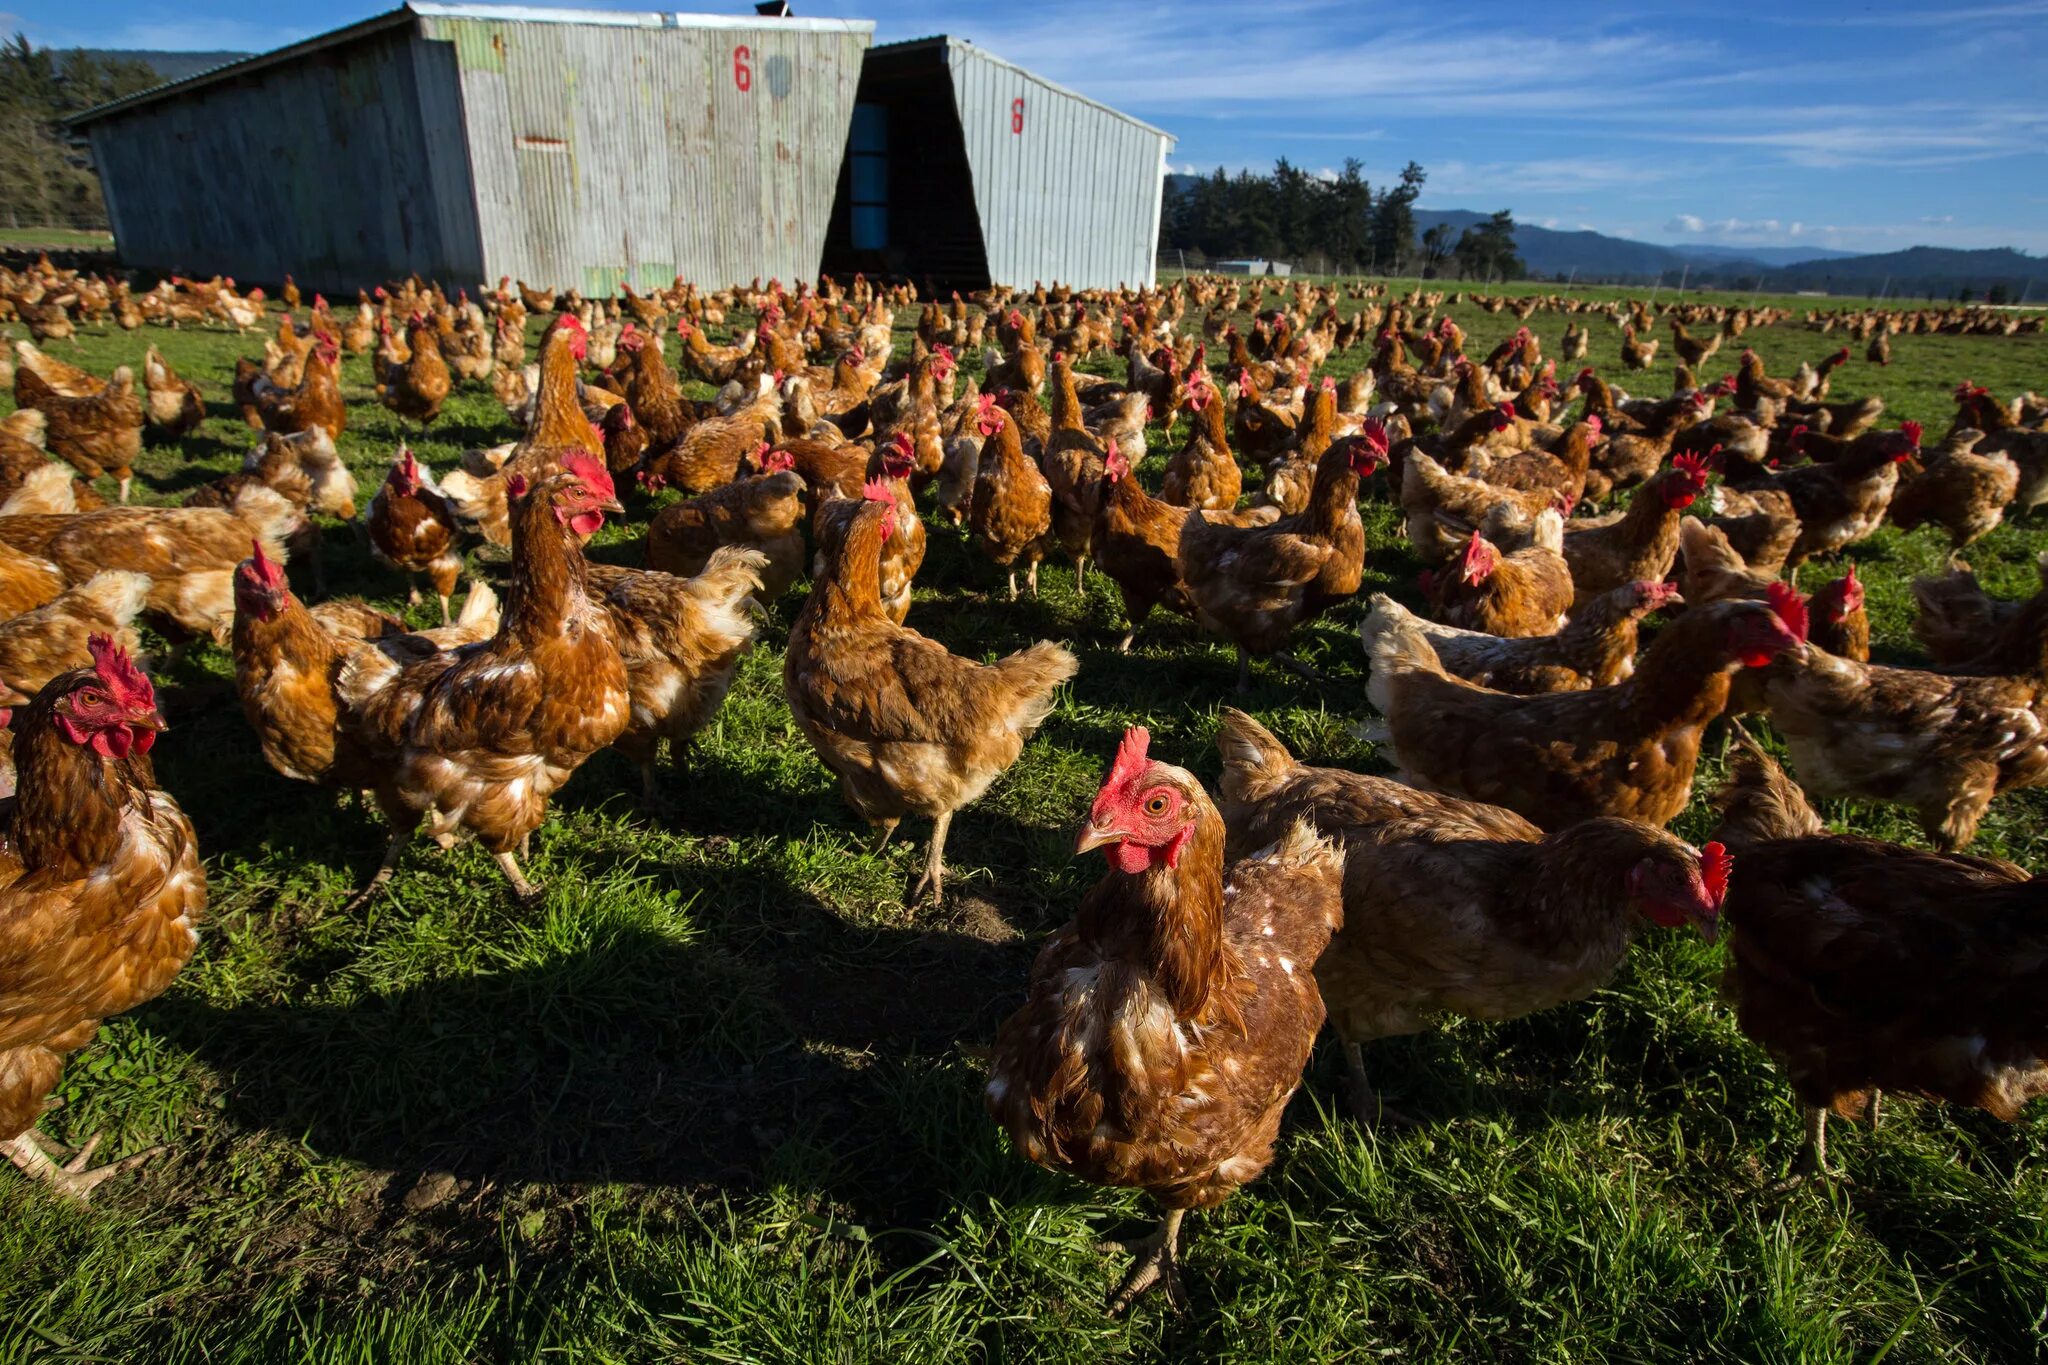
x=46 y=175
x=1335 y=223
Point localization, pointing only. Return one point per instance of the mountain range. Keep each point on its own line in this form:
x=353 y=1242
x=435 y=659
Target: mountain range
x=1595 y=254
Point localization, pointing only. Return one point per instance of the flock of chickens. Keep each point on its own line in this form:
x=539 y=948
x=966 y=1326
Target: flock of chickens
x=1540 y=751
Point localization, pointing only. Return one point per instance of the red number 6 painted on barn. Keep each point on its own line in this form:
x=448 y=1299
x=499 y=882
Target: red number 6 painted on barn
x=742 y=74
x=1017 y=115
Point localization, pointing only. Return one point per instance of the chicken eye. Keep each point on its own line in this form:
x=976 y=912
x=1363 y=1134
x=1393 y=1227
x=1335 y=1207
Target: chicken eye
x=89 y=697
x=1156 y=805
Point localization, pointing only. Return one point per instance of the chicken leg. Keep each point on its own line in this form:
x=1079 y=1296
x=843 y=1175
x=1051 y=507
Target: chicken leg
x=387 y=868
x=524 y=892
x=1366 y=1105
x=935 y=862
x=74 y=1178
x=1157 y=1266
x=1812 y=1161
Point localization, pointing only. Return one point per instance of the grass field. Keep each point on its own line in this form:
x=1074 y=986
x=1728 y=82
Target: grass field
x=718 y=1099
x=69 y=239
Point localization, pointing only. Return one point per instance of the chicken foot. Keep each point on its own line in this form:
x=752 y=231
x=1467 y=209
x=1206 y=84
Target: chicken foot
x=524 y=892
x=1812 y=1161
x=935 y=862
x=74 y=1178
x=387 y=868
x=1157 y=1266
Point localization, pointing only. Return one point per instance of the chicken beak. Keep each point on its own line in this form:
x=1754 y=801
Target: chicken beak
x=613 y=506
x=1092 y=837
x=1709 y=926
x=148 y=720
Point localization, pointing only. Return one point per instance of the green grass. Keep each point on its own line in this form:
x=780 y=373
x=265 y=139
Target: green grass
x=69 y=239
x=718 y=1099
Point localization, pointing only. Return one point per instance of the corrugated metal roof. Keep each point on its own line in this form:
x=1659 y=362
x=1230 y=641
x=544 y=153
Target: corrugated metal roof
x=428 y=9
x=949 y=41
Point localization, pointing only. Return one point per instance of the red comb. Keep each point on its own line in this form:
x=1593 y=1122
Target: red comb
x=127 y=682
x=1716 y=862
x=1785 y=600
x=1912 y=430
x=1130 y=757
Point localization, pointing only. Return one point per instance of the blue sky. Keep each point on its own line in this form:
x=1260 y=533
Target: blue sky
x=1860 y=126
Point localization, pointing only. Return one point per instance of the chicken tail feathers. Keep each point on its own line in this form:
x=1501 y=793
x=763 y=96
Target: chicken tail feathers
x=1034 y=674
x=1255 y=763
x=1759 y=802
x=1396 y=644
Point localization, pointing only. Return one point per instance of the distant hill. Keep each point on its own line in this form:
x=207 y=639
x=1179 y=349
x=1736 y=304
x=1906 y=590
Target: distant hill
x=1591 y=254
x=171 y=66
x=1920 y=271
x=1760 y=255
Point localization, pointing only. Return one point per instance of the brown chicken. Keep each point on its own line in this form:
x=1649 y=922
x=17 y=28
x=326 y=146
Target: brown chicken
x=1253 y=584
x=1441 y=510
x=26 y=581
x=1627 y=750
x=656 y=402
x=1203 y=472
x=1840 y=625
x=174 y=407
x=1137 y=544
x=314 y=402
x=1596 y=648
x=1167 y=1026
x=188 y=553
x=38 y=645
x=1962 y=492
x=764 y=512
x=682 y=640
x=1843 y=501
x=1072 y=461
x=288 y=662
x=1711 y=571
x=1640 y=543
x=1964 y=628
x=1863 y=966
x=709 y=453
x=1010 y=518
x=483 y=737
x=1456 y=907
x=908 y=727
x=891 y=471
x=1940 y=744
x=412 y=528
x=1524 y=594
x=104 y=889
x=416 y=388
x=92 y=424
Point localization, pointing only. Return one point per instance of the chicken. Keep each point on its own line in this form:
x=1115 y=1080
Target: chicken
x=26 y=581
x=1637 y=355
x=891 y=471
x=314 y=402
x=416 y=387
x=174 y=407
x=710 y=452
x=1011 y=515
x=104 y=889
x=1523 y=594
x=1863 y=966
x=1962 y=492
x=1253 y=584
x=1641 y=543
x=764 y=512
x=1626 y=459
x=1137 y=544
x=288 y=662
x=412 y=528
x=1627 y=750
x=1711 y=571
x=656 y=402
x=94 y=425
x=715 y=364
x=1937 y=743
x=1840 y=625
x=908 y=727
x=1962 y=626
x=481 y=738
x=1441 y=510
x=1203 y=472
x=1072 y=461
x=1168 y=1024
x=38 y=645
x=188 y=553
x=682 y=640
x=1456 y=907
x=1596 y=648
x=1841 y=502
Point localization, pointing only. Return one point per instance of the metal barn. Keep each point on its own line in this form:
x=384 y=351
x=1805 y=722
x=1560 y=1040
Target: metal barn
x=562 y=147
x=964 y=169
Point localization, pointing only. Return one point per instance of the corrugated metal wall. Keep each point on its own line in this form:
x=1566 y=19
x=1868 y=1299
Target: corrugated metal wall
x=616 y=152
x=323 y=166
x=1074 y=195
